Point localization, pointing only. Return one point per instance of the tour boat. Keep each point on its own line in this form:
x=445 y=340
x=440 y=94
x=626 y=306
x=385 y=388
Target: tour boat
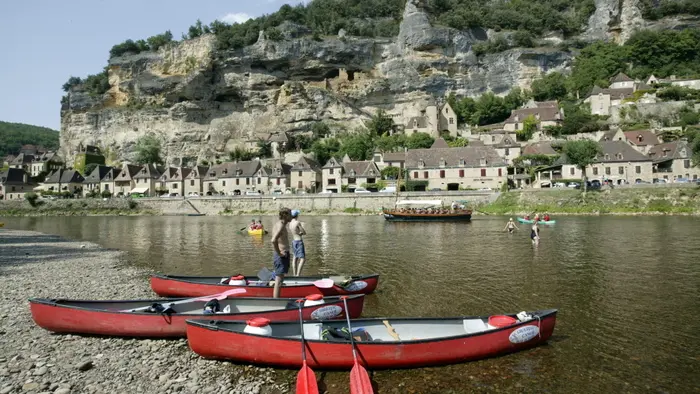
x=531 y=221
x=426 y=211
x=381 y=343
x=293 y=286
x=166 y=318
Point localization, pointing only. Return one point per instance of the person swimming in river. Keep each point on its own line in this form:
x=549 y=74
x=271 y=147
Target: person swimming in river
x=510 y=226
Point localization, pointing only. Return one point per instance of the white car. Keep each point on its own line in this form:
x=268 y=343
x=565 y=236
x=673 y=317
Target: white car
x=326 y=192
x=193 y=194
x=361 y=190
x=252 y=193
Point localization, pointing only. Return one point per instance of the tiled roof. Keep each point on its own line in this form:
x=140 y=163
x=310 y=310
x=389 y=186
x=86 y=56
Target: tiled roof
x=332 y=163
x=23 y=158
x=12 y=176
x=198 y=172
x=545 y=114
x=621 y=77
x=469 y=156
x=417 y=122
x=128 y=172
x=65 y=176
x=615 y=94
x=439 y=144
x=149 y=171
x=394 y=156
x=674 y=150
x=361 y=169
x=507 y=142
x=97 y=174
x=278 y=137
x=241 y=169
x=613 y=152
x=539 y=148
x=642 y=137
x=306 y=164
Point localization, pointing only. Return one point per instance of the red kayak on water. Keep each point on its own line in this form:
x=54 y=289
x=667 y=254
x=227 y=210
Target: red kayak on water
x=381 y=343
x=293 y=286
x=166 y=318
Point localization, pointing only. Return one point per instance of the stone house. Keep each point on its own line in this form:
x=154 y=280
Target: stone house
x=108 y=181
x=210 y=183
x=8 y=160
x=306 y=174
x=277 y=175
x=173 y=180
x=125 y=182
x=47 y=163
x=673 y=160
x=621 y=87
x=332 y=175
x=23 y=161
x=433 y=120
x=93 y=180
x=545 y=116
x=508 y=149
x=14 y=183
x=359 y=174
x=642 y=140
x=620 y=163
x=692 y=83
x=237 y=178
x=63 y=180
x=194 y=181
x=493 y=137
x=457 y=168
x=278 y=143
x=147 y=180
x=613 y=135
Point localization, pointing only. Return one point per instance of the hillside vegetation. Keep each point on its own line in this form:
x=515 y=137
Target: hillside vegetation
x=14 y=135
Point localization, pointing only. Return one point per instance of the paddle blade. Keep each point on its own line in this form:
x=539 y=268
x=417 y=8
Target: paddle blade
x=228 y=293
x=359 y=380
x=324 y=283
x=306 y=381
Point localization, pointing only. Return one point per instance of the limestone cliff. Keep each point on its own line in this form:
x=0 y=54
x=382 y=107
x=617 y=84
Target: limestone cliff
x=202 y=102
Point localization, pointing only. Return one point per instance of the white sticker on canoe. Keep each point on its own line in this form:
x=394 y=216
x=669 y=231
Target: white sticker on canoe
x=356 y=286
x=524 y=334
x=326 y=312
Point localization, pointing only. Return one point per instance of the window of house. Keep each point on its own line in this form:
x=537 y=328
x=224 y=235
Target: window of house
x=493 y=138
x=461 y=173
x=259 y=180
x=452 y=120
x=299 y=173
x=507 y=151
x=330 y=171
x=638 y=169
x=572 y=170
x=223 y=183
x=247 y=181
x=621 y=170
x=595 y=170
x=174 y=185
x=607 y=170
x=500 y=172
x=425 y=174
x=351 y=181
x=192 y=182
x=415 y=174
x=331 y=181
x=300 y=185
x=238 y=181
x=442 y=173
x=483 y=172
x=607 y=156
x=686 y=163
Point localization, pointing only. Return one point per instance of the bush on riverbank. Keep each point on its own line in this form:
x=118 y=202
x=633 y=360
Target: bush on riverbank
x=661 y=200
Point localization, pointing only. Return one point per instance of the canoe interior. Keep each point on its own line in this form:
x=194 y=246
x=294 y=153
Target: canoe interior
x=255 y=281
x=190 y=307
x=408 y=330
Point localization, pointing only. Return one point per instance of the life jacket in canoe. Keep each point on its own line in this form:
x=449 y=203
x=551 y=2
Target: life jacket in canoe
x=212 y=307
x=159 y=308
x=343 y=334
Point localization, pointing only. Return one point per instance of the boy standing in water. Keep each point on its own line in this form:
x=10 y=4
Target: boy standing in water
x=280 y=249
x=298 y=232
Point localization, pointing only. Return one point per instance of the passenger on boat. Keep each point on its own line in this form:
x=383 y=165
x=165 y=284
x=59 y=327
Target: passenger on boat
x=546 y=217
x=510 y=226
x=527 y=217
x=537 y=217
x=251 y=226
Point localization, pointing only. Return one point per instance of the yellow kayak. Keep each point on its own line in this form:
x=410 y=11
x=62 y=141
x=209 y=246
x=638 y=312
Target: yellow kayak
x=256 y=232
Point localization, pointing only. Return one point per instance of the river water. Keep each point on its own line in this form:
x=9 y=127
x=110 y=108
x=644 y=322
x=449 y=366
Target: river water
x=627 y=289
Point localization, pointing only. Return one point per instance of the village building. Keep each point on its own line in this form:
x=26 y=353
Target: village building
x=357 y=174
x=63 y=180
x=125 y=182
x=45 y=163
x=619 y=164
x=307 y=175
x=621 y=88
x=692 y=83
x=92 y=185
x=545 y=116
x=433 y=120
x=508 y=149
x=173 y=180
x=673 y=161
x=147 y=180
x=642 y=140
x=457 y=168
x=332 y=174
x=238 y=178
x=194 y=181
x=14 y=183
x=495 y=136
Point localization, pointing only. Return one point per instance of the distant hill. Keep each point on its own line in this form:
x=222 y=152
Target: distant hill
x=14 y=135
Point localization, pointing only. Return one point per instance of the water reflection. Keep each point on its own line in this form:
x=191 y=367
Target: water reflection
x=627 y=288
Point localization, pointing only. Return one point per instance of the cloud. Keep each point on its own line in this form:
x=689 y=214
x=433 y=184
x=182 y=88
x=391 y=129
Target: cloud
x=235 y=17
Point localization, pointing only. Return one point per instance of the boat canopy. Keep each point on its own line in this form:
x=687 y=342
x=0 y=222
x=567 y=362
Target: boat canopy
x=423 y=203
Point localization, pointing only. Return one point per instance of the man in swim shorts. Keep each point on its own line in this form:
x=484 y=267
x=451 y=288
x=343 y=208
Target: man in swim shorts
x=280 y=249
x=298 y=232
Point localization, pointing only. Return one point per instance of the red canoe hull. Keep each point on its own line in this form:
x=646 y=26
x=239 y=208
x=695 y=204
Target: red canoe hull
x=70 y=320
x=286 y=353
x=174 y=287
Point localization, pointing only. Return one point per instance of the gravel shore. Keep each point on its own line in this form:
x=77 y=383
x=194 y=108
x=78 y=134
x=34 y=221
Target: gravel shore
x=33 y=360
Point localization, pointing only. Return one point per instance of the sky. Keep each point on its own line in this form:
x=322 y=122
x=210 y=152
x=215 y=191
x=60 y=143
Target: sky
x=44 y=42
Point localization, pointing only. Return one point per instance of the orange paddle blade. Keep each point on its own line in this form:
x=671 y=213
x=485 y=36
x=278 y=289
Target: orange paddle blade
x=306 y=381
x=359 y=380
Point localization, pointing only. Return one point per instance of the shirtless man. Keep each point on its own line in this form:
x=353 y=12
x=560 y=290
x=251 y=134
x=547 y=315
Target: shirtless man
x=297 y=243
x=280 y=249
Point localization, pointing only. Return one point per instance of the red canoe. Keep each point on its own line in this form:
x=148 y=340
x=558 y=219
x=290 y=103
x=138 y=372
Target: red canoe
x=293 y=287
x=118 y=318
x=387 y=343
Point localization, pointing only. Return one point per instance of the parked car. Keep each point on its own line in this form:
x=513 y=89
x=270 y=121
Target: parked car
x=252 y=193
x=559 y=184
x=276 y=192
x=361 y=190
x=326 y=192
x=192 y=194
x=574 y=185
x=388 y=189
x=660 y=180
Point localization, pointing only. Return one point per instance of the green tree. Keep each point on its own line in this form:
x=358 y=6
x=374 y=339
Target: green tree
x=380 y=124
x=582 y=153
x=358 y=146
x=264 y=148
x=239 y=154
x=324 y=149
x=160 y=40
x=14 y=135
x=148 y=150
x=514 y=99
x=529 y=128
x=458 y=142
x=490 y=109
x=390 y=172
x=390 y=143
x=320 y=130
x=419 y=141
x=550 y=87
x=71 y=83
x=578 y=119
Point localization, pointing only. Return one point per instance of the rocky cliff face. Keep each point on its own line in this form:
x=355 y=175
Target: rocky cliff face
x=202 y=102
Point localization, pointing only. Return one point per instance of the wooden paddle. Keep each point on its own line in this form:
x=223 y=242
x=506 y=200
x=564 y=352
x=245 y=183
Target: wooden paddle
x=359 y=379
x=220 y=297
x=306 y=379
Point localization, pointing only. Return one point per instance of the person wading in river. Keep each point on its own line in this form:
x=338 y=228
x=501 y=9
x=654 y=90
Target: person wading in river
x=298 y=232
x=510 y=226
x=280 y=249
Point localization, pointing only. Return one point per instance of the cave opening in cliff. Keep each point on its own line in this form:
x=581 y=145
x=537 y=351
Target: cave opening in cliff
x=351 y=75
x=332 y=74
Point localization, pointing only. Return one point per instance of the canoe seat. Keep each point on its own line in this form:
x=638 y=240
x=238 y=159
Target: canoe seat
x=313 y=330
x=474 y=325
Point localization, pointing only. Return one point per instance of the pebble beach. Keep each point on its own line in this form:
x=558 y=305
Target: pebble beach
x=33 y=360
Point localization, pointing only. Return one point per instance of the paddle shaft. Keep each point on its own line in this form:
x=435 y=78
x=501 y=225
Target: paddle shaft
x=347 y=318
x=306 y=373
x=303 y=344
